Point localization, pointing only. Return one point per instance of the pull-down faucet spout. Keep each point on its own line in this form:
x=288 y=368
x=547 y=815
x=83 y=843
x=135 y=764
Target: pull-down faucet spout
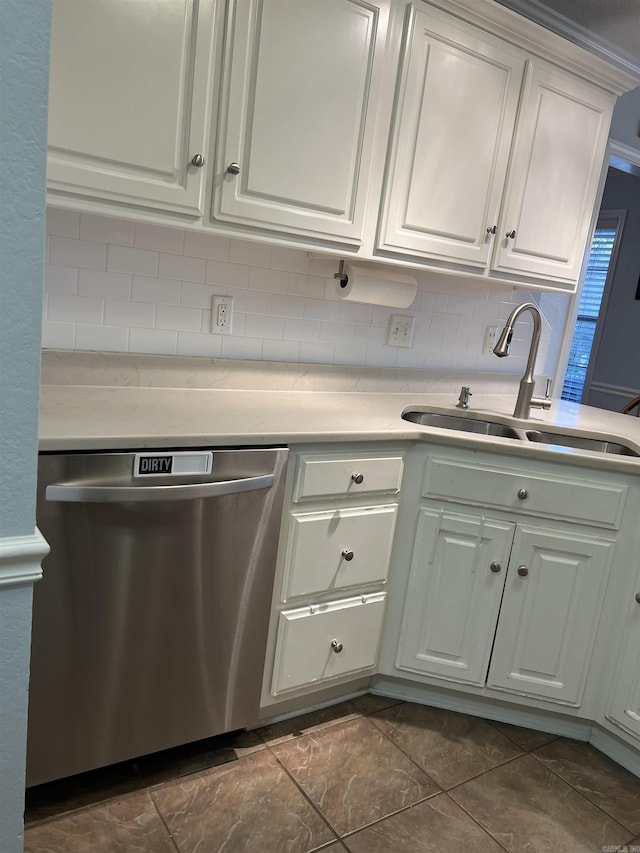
x=525 y=393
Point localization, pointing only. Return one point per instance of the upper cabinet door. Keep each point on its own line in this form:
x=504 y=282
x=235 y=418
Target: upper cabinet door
x=128 y=100
x=456 y=106
x=553 y=177
x=297 y=114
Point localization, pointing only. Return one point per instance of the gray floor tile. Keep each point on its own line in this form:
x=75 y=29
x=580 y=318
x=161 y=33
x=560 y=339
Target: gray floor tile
x=353 y=774
x=528 y=739
x=369 y=704
x=287 y=729
x=604 y=782
x=250 y=805
x=449 y=747
x=433 y=826
x=528 y=809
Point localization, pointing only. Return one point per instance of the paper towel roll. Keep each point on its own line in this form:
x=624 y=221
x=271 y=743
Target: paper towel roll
x=377 y=286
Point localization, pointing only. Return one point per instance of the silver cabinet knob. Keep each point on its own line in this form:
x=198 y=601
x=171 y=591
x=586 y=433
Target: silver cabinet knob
x=496 y=568
x=510 y=235
x=233 y=169
x=523 y=494
x=358 y=479
x=348 y=555
x=336 y=646
x=523 y=571
x=637 y=597
x=491 y=229
x=197 y=160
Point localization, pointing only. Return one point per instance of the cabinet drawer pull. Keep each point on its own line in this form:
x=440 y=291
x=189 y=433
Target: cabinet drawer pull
x=496 y=568
x=358 y=479
x=348 y=555
x=233 y=169
x=511 y=235
x=523 y=494
x=523 y=571
x=491 y=229
x=197 y=160
x=336 y=646
x=637 y=597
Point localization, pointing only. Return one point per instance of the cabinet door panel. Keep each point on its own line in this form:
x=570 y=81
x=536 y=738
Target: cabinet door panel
x=296 y=118
x=555 y=169
x=121 y=121
x=550 y=614
x=456 y=111
x=453 y=596
x=625 y=708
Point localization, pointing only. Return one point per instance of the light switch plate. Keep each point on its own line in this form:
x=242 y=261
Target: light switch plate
x=400 y=330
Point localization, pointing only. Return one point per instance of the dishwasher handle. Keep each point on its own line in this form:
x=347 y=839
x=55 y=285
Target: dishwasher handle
x=79 y=493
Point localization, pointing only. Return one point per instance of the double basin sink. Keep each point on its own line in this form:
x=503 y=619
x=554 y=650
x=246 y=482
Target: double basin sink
x=483 y=426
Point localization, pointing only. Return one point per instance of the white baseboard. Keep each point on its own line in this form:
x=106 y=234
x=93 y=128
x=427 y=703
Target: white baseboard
x=21 y=558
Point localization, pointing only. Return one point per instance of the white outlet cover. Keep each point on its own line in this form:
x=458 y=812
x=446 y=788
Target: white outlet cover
x=224 y=327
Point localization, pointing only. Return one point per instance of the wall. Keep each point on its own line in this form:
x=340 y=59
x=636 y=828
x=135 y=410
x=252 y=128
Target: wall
x=121 y=286
x=625 y=123
x=618 y=357
x=24 y=65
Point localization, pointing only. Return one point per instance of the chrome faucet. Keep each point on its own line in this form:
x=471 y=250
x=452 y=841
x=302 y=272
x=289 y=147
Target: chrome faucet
x=525 y=400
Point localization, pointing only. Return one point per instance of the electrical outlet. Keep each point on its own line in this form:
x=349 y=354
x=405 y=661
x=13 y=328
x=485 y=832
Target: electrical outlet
x=400 y=331
x=221 y=315
x=491 y=335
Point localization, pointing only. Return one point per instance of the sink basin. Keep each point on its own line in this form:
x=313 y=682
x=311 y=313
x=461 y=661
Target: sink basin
x=579 y=442
x=461 y=423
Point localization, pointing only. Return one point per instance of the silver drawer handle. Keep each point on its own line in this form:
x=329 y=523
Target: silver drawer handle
x=358 y=479
x=523 y=494
x=233 y=169
x=637 y=596
x=510 y=235
x=336 y=646
x=348 y=555
x=523 y=571
x=197 y=160
x=496 y=568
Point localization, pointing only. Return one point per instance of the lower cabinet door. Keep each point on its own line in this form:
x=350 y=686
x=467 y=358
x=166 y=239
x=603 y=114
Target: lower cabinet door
x=625 y=707
x=323 y=641
x=457 y=577
x=549 y=616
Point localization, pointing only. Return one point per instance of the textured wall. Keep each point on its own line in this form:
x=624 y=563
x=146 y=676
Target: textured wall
x=625 y=124
x=24 y=64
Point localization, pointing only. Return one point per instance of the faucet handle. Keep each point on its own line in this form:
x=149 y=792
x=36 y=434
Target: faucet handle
x=547 y=389
x=543 y=402
x=463 y=399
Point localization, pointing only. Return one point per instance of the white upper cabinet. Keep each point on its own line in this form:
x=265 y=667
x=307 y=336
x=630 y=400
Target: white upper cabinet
x=495 y=156
x=297 y=115
x=457 y=101
x=555 y=168
x=129 y=101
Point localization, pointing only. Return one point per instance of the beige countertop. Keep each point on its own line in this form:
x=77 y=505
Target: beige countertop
x=112 y=417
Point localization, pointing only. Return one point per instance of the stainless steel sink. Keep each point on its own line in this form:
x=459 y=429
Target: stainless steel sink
x=579 y=442
x=462 y=423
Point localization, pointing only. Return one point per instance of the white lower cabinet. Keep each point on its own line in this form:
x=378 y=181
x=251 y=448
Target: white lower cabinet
x=624 y=707
x=326 y=640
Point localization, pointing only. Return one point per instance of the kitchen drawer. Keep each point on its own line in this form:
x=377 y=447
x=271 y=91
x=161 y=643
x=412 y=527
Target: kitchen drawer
x=547 y=494
x=304 y=650
x=338 y=548
x=341 y=476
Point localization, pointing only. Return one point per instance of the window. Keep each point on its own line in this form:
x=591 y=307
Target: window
x=596 y=277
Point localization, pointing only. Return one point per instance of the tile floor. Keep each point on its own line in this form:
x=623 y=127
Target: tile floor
x=368 y=776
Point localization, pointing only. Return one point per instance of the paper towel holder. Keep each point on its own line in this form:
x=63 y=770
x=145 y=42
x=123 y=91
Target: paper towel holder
x=341 y=275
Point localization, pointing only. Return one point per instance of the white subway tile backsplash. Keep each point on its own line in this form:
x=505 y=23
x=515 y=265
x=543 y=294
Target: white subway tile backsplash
x=122 y=313
x=134 y=261
x=60 y=279
x=58 y=335
x=246 y=252
x=163 y=291
x=101 y=338
x=197 y=344
x=158 y=238
x=62 y=223
x=181 y=267
x=103 y=284
x=115 y=285
x=83 y=254
x=153 y=341
x=222 y=274
x=105 y=229
x=74 y=309
x=199 y=245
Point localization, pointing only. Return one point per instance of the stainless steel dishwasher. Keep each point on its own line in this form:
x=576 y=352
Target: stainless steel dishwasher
x=150 y=622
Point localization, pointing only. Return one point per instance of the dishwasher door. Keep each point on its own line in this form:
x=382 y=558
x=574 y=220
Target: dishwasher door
x=150 y=622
